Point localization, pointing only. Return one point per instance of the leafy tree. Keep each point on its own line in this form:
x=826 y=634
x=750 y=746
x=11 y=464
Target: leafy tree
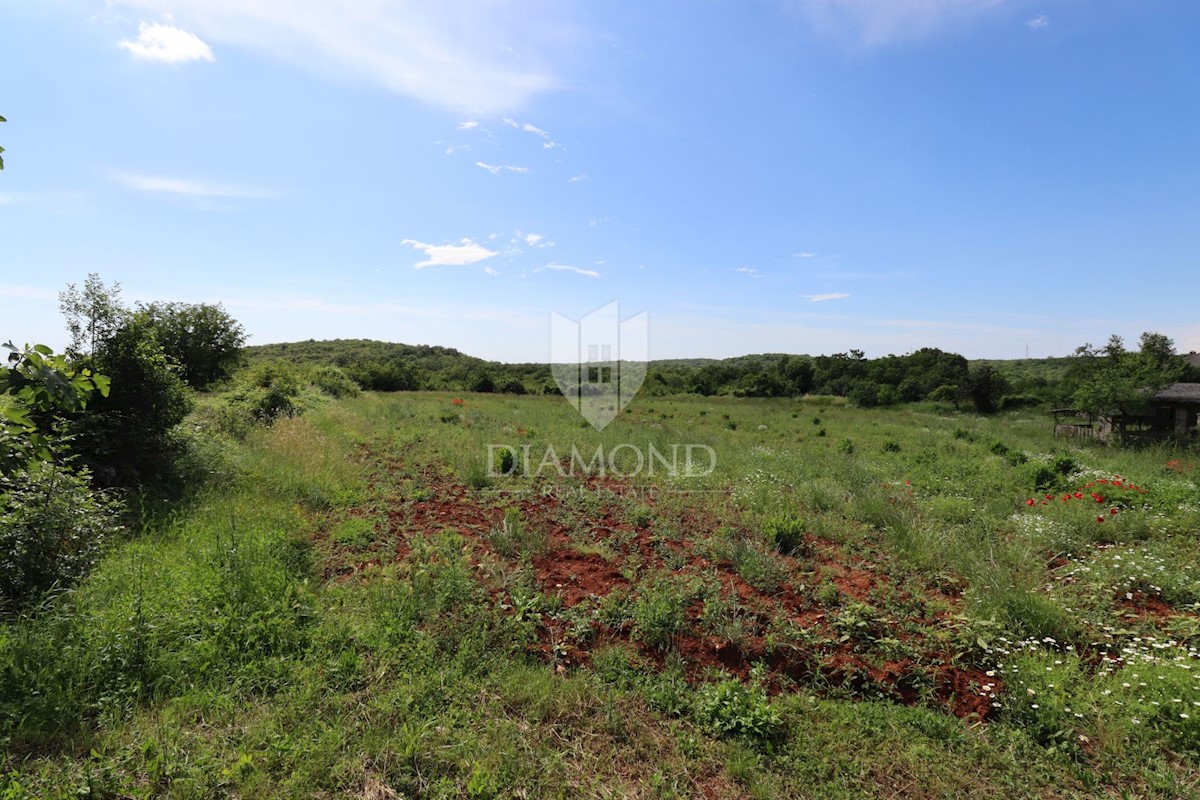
x=483 y=382
x=202 y=339
x=125 y=436
x=946 y=393
x=93 y=314
x=38 y=385
x=1112 y=379
x=986 y=387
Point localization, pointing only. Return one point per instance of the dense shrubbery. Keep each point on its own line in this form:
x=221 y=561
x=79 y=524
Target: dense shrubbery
x=270 y=390
x=124 y=437
x=107 y=414
x=928 y=374
x=203 y=340
x=52 y=529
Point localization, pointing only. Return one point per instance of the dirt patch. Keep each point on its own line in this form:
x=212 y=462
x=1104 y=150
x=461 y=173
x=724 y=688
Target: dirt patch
x=594 y=543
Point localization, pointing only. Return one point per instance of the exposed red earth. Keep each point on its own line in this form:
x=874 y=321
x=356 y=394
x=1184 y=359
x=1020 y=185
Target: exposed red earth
x=575 y=575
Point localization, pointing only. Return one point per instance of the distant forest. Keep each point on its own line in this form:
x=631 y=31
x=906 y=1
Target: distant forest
x=927 y=374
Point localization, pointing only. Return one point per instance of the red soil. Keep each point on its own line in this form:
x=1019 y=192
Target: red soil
x=574 y=577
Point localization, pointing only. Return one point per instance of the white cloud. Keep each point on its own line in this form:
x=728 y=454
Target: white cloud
x=496 y=169
x=537 y=240
x=166 y=43
x=467 y=125
x=567 y=268
x=451 y=53
x=491 y=271
x=804 y=254
x=747 y=270
x=1040 y=21
x=187 y=188
x=577 y=179
x=821 y=298
x=528 y=127
x=450 y=255
x=878 y=22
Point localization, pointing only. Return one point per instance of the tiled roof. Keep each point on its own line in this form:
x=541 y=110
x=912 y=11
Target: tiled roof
x=1180 y=393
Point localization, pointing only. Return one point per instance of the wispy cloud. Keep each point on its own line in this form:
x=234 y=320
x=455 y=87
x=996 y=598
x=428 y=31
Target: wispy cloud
x=445 y=53
x=187 y=188
x=591 y=273
x=804 y=254
x=158 y=42
x=1040 y=21
x=496 y=169
x=468 y=125
x=878 y=22
x=528 y=127
x=821 y=298
x=577 y=179
x=536 y=240
x=751 y=271
x=491 y=271
x=450 y=255
x=455 y=148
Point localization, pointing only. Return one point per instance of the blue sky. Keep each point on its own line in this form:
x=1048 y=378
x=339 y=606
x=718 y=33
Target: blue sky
x=802 y=176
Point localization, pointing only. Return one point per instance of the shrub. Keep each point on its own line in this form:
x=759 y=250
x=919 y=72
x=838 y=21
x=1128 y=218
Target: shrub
x=333 y=382
x=786 y=531
x=658 y=614
x=202 y=339
x=52 y=530
x=124 y=436
x=731 y=708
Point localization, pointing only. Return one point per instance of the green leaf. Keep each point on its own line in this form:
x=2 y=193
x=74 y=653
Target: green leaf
x=17 y=415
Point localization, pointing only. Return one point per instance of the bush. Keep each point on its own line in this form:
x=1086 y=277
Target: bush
x=124 y=436
x=203 y=340
x=658 y=614
x=787 y=532
x=333 y=382
x=731 y=708
x=52 y=530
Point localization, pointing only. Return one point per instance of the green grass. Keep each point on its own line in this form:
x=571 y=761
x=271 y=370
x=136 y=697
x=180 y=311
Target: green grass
x=289 y=634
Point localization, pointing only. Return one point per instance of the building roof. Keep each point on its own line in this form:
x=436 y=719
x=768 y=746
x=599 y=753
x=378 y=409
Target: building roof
x=1180 y=393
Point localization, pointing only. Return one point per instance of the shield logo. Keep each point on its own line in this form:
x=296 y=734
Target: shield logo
x=599 y=362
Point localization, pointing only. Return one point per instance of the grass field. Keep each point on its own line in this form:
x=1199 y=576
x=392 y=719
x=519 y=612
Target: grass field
x=853 y=603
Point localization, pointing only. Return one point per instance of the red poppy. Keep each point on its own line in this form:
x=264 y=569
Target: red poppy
x=457 y=401
x=1112 y=511
x=1079 y=495
x=1029 y=502
x=1099 y=519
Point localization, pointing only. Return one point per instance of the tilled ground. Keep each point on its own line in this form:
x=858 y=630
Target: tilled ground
x=590 y=546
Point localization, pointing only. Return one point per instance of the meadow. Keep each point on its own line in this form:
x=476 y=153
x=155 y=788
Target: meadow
x=900 y=602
